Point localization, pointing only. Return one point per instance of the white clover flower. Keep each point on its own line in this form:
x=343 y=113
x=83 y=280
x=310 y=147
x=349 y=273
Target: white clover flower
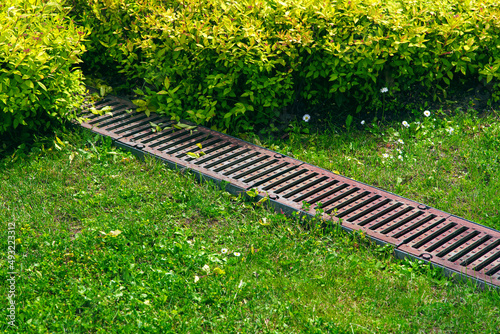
x=236 y=254
x=384 y=90
x=405 y=124
x=363 y=122
x=223 y=250
x=400 y=157
x=401 y=141
x=385 y=155
x=206 y=269
x=196 y=279
x=427 y=113
x=306 y=117
x=450 y=130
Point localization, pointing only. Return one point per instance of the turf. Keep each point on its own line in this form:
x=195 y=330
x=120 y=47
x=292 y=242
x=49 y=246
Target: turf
x=110 y=244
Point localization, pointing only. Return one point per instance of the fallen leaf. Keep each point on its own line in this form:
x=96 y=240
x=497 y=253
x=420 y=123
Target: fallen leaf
x=193 y=155
x=219 y=271
x=114 y=233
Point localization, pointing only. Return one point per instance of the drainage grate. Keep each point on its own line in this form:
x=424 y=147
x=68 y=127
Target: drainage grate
x=416 y=230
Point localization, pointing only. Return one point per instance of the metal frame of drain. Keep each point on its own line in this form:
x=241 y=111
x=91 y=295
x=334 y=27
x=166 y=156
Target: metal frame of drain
x=454 y=244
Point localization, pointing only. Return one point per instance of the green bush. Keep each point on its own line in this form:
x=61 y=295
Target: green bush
x=235 y=64
x=39 y=47
x=104 y=18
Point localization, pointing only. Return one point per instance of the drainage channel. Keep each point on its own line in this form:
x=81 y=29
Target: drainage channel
x=454 y=244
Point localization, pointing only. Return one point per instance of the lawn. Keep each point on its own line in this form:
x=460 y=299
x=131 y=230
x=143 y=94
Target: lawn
x=111 y=244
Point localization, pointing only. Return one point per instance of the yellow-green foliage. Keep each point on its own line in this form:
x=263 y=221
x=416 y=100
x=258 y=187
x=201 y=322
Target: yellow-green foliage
x=38 y=47
x=240 y=62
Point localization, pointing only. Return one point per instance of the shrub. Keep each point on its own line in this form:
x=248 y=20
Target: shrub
x=104 y=19
x=238 y=63
x=39 y=47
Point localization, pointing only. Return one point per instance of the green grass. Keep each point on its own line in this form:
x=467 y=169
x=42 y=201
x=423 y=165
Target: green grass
x=457 y=172
x=110 y=244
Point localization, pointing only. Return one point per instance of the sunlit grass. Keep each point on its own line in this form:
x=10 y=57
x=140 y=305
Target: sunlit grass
x=111 y=244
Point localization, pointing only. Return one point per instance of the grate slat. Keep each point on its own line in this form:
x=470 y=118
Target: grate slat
x=369 y=210
x=414 y=226
x=345 y=195
x=121 y=121
x=221 y=146
x=434 y=235
x=259 y=167
x=210 y=144
x=309 y=185
x=143 y=137
x=480 y=253
x=202 y=138
x=487 y=262
x=135 y=128
x=398 y=213
x=356 y=207
x=116 y=113
x=268 y=178
x=457 y=244
x=216 y=154
x=238 y=167
x=231 y=162
x=423 y=231
x=348 y=201
x=166 y=138
x=283 y=179
x=398 y=225
x=323 y=194
x=380 y=214
x=470 y=248
x=180 y=140
x=295 y=183
x=493 y=270
x=446 y=239
x=227 y=158
x=316 y=190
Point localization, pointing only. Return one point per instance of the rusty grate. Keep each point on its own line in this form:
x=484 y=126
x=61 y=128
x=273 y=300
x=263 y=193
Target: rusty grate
x=416 y=230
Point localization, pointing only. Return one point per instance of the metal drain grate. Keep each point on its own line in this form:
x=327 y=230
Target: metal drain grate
x=416 y=230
